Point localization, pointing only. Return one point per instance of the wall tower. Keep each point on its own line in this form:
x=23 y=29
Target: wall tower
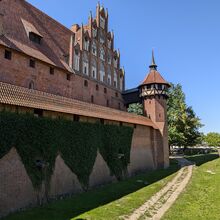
x=153 y=92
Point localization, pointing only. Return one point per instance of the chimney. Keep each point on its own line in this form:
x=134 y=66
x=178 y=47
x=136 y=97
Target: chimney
x=71 y=50
x=1 y=24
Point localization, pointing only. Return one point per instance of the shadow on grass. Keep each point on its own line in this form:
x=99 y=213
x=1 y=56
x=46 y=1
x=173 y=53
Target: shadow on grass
x=202 y=158
x=72 y=207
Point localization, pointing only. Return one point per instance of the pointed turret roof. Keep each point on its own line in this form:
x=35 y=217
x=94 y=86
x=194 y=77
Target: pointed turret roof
x=154 y=76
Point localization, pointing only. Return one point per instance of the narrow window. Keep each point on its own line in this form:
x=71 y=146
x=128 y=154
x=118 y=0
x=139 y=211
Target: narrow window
x=116 y=94
x=68 y=77
x=105 y=90
x=119 y=105
x=51 y=71
x=107 y=103
x=102 y=121
x=8 y=54
x=75 y=117
x=114 y=83
x=97 y=87
x=31 y=85
x=85 y=70
x=32 y=63
x=92 y=99
x=85 y=83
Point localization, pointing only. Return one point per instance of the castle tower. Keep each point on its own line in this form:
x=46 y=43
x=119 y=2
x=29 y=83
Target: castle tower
x=153 y=92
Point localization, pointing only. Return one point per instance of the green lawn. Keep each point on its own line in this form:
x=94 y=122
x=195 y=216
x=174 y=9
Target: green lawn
x=108 y=202
x=201 y=199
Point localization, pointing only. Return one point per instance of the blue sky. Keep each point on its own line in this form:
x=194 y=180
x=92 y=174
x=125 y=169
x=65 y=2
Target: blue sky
x=185 y=35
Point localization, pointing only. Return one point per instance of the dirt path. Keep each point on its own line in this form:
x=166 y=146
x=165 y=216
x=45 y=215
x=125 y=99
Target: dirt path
x=158 y=204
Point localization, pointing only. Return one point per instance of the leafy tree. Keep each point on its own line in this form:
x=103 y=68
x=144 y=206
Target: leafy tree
x=183 y=124
x=136 y=108
x=212 y=139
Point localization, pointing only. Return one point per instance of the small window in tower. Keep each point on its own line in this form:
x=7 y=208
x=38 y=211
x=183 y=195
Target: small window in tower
x=31 y=85
x=32 y=63
x=105 y=90
x=116 y=94
x=97 y=87
x=159 y=115
x=8 y=54
x=92 y=99
x=35 y=38
x=114 y=83
x=159 y=86
x=107 y=103
x=68 y=77
x=148 y=86
x=85 y=83
x=51 y=71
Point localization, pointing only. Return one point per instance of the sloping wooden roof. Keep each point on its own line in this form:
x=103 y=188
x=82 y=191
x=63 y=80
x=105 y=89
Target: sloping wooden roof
x=20 y=96
x=154 y=77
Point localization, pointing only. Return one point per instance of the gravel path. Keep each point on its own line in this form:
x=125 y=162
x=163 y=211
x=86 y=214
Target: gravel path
x=158 y=204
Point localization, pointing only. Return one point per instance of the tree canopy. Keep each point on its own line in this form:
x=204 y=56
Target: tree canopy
x=183 y=124
x=212 y=139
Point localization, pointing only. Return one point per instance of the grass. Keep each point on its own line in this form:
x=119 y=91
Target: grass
x=108 y=202
x=201 y=199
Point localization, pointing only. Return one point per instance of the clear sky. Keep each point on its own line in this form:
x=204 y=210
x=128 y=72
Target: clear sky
x=185 y=35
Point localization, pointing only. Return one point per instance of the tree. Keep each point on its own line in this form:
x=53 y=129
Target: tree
x=136 y=108
x=212 y=139
x=183 y=124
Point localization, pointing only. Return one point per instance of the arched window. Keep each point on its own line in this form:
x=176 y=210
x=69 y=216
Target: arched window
x=31 y=85
x=85 y=64
x=109 y=76
x=76 y=60
x=109 y=58
x=115 y=79
x=94 y=68
x=115 y=62
x=102 y=53
x=102 y=72
x=121 y=82
x=86 y=43
x=102 y=22
x=94 y=48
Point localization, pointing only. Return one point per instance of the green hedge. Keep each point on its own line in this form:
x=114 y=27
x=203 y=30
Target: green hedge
x=41 y=139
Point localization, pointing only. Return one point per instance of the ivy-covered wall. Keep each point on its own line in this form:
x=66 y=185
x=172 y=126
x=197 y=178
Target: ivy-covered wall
x=39 y=140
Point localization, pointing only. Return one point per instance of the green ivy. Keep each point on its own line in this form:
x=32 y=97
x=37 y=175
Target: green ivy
x=43 y=138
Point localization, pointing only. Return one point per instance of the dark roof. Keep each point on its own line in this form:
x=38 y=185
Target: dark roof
x=20 y=96
x=20 y=18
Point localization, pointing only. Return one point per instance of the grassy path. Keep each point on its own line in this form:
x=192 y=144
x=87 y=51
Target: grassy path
x=201 y=199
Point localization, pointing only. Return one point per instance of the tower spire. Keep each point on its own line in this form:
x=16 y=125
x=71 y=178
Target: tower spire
x=153 y=65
